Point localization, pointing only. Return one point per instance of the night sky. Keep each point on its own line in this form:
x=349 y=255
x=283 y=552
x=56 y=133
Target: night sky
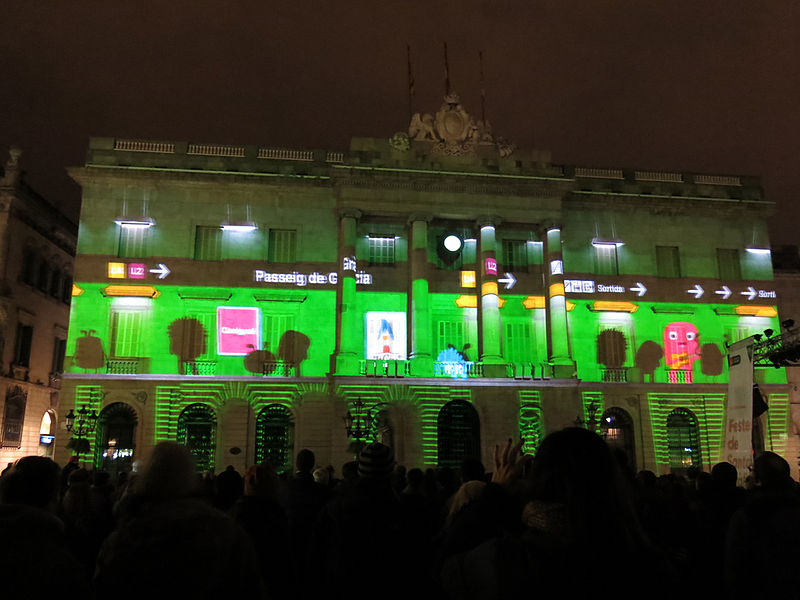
x=687 y=85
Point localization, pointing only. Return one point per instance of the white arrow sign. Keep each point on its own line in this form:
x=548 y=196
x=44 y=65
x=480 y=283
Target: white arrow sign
x=696 y=290
x=750 y=293
x=725 y=292
x=639 y=289
x=509 y=280
x=162 y=271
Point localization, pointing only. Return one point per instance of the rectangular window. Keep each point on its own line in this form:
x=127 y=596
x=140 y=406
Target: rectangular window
x=668 y=262
x=450 y=334
x=275 y=326
x=282 y=244
x=59 y=350
x=24 y=343
x=208 y=243
x=133 y=242
x=518 y=342
x=606 y=259
x=381 y=250
x=728 y=263
x=515 y=255
x=127 y=333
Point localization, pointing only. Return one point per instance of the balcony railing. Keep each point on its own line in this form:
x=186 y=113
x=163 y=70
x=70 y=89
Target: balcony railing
x=278 y=368
x=458 y=369
x=123 y=366
x=385 y=368
x=530 y=370
x=615 y=375
x=200 y=367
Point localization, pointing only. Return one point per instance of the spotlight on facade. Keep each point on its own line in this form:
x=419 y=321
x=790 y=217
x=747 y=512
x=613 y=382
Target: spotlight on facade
x=135 y=222
x=449 y=247
x=243 y=227
x=758 y=250
x=452 y=243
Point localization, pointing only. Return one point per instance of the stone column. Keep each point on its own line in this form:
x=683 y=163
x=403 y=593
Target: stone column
x=349 y=348
x=420 y=328
x=558 y=339
x=489 y=303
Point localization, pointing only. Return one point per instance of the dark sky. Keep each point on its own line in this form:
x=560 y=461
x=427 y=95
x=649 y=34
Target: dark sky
x=710 y=86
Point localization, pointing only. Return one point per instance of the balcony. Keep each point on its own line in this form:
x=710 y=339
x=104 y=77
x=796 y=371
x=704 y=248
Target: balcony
x=200 y=367
x=20 y=372
x=616 y=375
x=458 y=369
x=124 y=366
x=278 y=368
x=385 y=368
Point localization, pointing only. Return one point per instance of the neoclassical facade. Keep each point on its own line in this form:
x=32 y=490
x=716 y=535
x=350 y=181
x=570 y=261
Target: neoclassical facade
x=444 y=288
x=37 y=250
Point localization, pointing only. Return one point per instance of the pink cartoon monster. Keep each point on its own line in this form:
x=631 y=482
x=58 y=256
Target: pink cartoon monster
x=681 y=347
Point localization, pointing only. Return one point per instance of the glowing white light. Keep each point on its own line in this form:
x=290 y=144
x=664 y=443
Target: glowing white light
x=134 y=223
x=239 y=227
x=762 y=251
x=452 y=243
x=601 y=243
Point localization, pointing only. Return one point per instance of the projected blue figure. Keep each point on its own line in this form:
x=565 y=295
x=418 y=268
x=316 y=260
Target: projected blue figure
x=451 y=363
x=386 y=336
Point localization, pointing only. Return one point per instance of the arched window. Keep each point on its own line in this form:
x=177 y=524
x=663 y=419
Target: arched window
x=47 y=431
x=115 y=438
x=617 y=428
x=683 y=440
x=274 y=437
x=459 y=433
x=197 y=428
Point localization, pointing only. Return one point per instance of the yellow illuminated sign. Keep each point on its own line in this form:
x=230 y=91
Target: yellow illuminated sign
x=468 y=301
x=141 y=291
x=489 y=288
x=756 y=311
x=116 y=270
x=533 y=302
x=468 y=279
x=557 y=289
x=615 y=306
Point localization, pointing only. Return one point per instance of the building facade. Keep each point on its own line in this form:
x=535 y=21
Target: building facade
x=443 y=288
x=37 y=250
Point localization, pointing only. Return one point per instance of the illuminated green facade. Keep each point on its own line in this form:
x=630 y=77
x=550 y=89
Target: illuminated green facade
x=242 y=299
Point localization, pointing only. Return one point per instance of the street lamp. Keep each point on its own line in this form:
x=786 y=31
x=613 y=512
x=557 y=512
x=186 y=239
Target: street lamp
x=358 y=425
x=591 y=412
x=81 y=425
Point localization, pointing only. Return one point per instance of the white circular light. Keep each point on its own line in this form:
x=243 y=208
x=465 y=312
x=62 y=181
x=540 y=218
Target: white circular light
x=452 y=243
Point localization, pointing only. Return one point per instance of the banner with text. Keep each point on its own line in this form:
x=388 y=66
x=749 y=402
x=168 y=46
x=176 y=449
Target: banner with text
x=738 y=446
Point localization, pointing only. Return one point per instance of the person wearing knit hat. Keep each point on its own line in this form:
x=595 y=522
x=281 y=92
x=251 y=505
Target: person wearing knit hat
x=375 y=460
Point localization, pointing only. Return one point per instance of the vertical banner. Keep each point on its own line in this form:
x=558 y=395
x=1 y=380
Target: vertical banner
x=738 y=447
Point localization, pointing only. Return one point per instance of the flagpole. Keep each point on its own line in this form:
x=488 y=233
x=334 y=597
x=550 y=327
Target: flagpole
x=446 y=72
x=410 y=83
x=483 y=89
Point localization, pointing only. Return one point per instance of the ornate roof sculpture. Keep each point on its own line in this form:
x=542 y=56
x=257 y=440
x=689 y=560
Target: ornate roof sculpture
x=451 y=131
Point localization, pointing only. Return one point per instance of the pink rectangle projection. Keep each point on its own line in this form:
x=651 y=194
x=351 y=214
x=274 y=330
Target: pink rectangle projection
x=238 y=330
x=490 y=266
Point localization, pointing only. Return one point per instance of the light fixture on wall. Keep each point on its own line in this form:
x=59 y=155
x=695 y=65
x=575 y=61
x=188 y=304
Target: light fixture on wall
x=758 y=250
x=240 y=227
x=135 y=222
x=607 y=243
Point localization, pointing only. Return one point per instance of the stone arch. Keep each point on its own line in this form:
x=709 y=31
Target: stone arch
x=617 y=428
x=115 y=437
x=459 y=433
x=683 y=441
x=197 y=430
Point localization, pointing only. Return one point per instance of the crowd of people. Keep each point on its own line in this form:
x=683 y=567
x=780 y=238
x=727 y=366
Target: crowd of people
x=573 y=519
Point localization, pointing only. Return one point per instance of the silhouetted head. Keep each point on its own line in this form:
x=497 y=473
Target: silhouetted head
x=772 y=472
x=32 y=481
x=646 y=478
x=168 y=473
x=350 y=470
x=724 y=475
x=472 y=470
x=414 y=478
x=305 y=460
x=375 y=461
x=574 y=468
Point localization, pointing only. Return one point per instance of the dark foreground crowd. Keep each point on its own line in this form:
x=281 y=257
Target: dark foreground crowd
x=571 y=521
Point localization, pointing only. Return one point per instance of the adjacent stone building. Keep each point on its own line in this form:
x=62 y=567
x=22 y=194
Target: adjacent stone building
x=37 y=250
x=442 y=289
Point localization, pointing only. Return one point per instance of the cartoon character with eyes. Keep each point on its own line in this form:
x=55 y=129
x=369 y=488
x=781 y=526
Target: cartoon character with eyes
x=681 y=349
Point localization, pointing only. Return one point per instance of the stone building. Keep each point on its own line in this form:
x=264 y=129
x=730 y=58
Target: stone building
x=443 y=288
x=37 y=250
